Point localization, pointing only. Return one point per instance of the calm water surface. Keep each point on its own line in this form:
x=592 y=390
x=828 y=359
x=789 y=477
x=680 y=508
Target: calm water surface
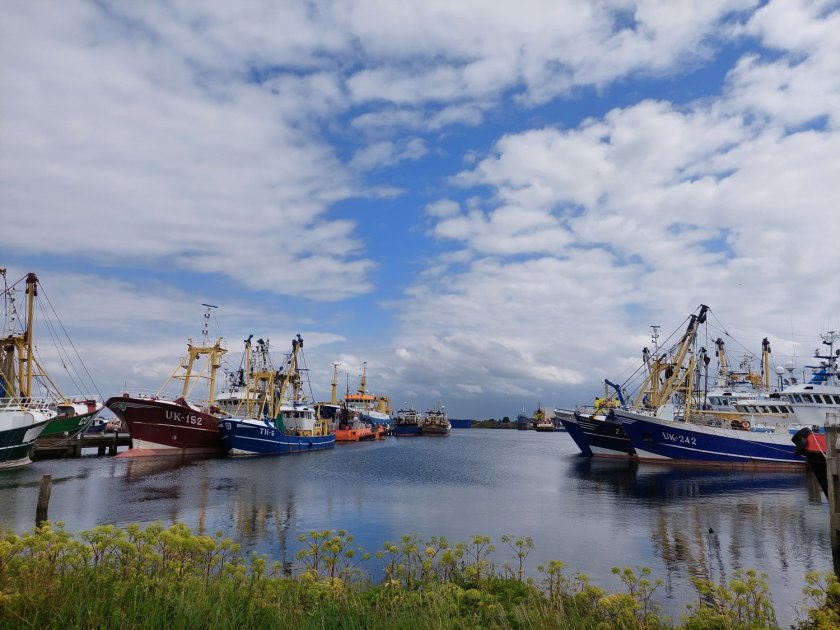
x=590 y=514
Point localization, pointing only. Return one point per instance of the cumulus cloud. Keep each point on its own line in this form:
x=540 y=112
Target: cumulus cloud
x=588 y=235
x=224 y=143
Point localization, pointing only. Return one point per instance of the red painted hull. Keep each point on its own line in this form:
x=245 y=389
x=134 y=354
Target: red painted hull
x=165 y=427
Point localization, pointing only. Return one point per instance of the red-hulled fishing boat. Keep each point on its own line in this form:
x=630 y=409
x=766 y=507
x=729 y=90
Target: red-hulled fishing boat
x=160 y=425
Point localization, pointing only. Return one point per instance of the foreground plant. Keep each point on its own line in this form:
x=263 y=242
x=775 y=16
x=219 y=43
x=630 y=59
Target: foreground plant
x=133 y=577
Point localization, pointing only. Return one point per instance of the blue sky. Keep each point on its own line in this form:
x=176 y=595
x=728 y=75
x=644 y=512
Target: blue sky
x=487 y=202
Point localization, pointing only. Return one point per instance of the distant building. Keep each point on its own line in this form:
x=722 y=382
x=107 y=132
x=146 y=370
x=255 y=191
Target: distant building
x=460 y=423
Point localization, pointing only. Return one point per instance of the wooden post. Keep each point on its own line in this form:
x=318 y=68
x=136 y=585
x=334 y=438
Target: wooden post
x=43 y=499
x=832 y=470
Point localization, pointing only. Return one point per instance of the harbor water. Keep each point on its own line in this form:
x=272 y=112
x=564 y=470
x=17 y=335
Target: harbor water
x=591 y=514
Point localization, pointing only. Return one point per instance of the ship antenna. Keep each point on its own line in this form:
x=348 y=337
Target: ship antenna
x=205 y=332
x=654 y=338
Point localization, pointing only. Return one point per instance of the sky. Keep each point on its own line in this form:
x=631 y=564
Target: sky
x=486 y=203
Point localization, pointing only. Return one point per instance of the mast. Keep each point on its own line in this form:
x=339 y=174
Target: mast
x=334 y=397
x=686 y=342
x=363 y=382
x=213 y=353
x=291 y=375
x=723 y=367
x=765 y=363
x=31 y=292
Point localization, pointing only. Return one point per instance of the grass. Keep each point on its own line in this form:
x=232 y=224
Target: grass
x=159 y=577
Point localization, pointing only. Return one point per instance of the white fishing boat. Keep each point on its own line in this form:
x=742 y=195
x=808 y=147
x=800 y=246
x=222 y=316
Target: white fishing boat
x=31 y=405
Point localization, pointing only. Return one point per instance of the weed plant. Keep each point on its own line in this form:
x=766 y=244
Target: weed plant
x=157 y=577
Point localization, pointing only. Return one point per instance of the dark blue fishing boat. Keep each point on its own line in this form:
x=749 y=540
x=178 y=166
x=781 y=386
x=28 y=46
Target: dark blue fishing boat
x=407 y=423
x=296 y=429
x=273 y=425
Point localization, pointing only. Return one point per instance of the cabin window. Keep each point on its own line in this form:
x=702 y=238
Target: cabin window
x=774 y=409
x=836 y=399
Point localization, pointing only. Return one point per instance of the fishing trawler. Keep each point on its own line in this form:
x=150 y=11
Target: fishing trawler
x=280 y=420
x=33 y=411
x=407 y=423
x=542 y=422
x=435 y=423
x=350 y=427
x=163 y=424
x=598 y=430
x=373 y=409
x=690 y=433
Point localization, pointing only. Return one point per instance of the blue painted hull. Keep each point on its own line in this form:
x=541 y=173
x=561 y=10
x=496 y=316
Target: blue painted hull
x=406 y=430
x=576 y=433
x=251 y=437
x=679 y=442
x=606 y=438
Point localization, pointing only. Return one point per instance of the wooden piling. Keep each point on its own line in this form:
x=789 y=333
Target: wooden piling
x=833 y=478
x=43 y=499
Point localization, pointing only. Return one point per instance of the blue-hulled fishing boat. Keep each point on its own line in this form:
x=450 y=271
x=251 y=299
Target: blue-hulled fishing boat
x=278 y=426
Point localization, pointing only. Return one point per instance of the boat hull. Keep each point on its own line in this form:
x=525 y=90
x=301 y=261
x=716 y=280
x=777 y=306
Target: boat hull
x=576 y=433
x=68 y=426
x=606 y=438
x=434 y=431
x=813 y=447
x=407 y=430
x=17 y=435
x=165 y=427
x=657 y=440
x=261 y=437
x=354 y=435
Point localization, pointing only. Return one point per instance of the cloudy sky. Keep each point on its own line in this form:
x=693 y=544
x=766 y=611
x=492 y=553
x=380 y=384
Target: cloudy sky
x=488 y=202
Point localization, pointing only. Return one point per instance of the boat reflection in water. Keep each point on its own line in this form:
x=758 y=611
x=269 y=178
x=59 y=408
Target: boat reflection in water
x=706 y=523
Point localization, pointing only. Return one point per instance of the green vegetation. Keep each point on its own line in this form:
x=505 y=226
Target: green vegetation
x=169 y=577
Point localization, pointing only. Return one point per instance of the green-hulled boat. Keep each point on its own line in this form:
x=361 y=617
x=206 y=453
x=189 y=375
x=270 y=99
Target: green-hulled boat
x=73 y=418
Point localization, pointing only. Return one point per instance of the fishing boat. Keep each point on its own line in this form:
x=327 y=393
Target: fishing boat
x=542 y=422
x=600 y=429
x=712 y=437
x=166 y=424
x=350 y=427
x=33 y=411
x=373 y=409
x=72 y=417
x=435 y=423
x=281 y=421
x=407 y=423
x=21 y=422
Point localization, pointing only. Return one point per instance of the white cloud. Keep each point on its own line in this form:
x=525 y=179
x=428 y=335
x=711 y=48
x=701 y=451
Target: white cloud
x=588 y=235
x=387 y=153
x=218 y=140
x=443 y=208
